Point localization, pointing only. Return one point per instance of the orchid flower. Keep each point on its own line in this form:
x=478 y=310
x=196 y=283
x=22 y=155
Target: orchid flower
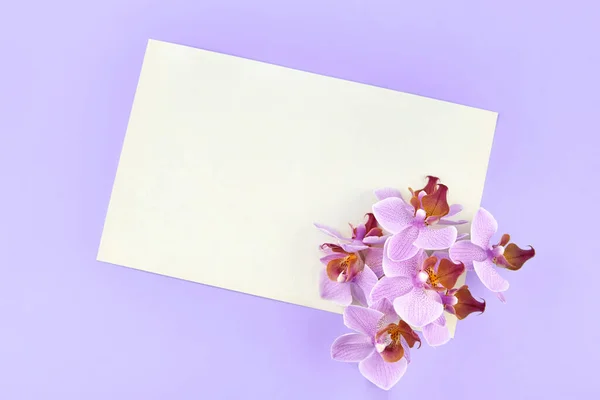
x=411 y=223
x=421 y=289
x=480 y=255
x=353 y=265
x=384 y=193
x=415 y=285
x=381 y=345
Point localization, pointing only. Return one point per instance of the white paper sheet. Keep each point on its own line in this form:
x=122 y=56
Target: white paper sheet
x=227 y=162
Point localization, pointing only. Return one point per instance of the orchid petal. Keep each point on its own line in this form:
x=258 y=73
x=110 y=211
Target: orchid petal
x=436 y=335
x=392 y=214
x=400 y=246
x=359 y=232
x=462 y=236
x=454 y=209
x=467 y=304
x=391 y=288
x=330 y=231
x=436 y=239
x=377 y=232
x=339 y=293
x=466 y=252
x=449 y=272
x=365 y=281
x=387 y=308
x=384 y=193
x=352 y=347
x=371 y=223
x=408 y=267
x=448 y=222
x=483 y=228
x=441 y=321
x=504 y=240
x=419 y=307
x=363 y=320
x=516 y=257
x=374 y=260
x=489 y=276
x=358 y=295
x=409 y=335
x=394 y=352
x=382 y=374
x=436 y=204
x=330 y=257
x=375 y=239
x=406 y=348
x=440 y=254
x=353 y=247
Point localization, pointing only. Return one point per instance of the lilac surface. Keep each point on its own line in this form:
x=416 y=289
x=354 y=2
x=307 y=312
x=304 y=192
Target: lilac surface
x=73 y=328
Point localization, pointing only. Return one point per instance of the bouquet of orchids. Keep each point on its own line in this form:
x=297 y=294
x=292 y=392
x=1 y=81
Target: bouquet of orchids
x=403 y=270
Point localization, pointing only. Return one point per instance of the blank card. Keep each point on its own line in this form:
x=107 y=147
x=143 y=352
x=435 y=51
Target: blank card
x=227 y=162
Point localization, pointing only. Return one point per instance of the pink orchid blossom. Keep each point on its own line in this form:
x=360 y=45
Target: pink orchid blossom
x=415 y=286
x=381 y=344
x=353 y=265
x=479 y=255
x=421 y=289
x=384 y=193
x=411 y=223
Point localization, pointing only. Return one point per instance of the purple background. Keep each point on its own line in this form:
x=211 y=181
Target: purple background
x=74 y=328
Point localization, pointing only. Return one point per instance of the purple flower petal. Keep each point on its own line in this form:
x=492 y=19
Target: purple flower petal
x=466 y=252
x=384 y=193
x=332 y=256
x=375 y=239
x=339 y=293
x=454 y=209
x=392 y=214
x=400 y=246
x=363 y=320
x=489 y=276
x=436 y=239
x=483 y=228
x=439 y=254
x=353 y=247
x=358 y=295
x=441 y=321
x=381 y=373
x=360 y=232
x=391 y=288
x=501 y=297
x=387 y=308
x=436 y=335
x=462 y=236
x=374 y=260
x=408 y=267
x=352 y=347
x=448 y=222
x=406 y=348
x=365 y=281
x=330 y=231
x=419 y=307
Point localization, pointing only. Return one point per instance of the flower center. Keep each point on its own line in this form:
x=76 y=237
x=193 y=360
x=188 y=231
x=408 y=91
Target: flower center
x=344 y=269
x=390 y=335
x=495 y=252
x=420 y=215
x=432 y=278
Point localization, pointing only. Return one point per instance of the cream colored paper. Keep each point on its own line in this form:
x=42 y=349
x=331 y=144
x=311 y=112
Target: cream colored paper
x=227 y=162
